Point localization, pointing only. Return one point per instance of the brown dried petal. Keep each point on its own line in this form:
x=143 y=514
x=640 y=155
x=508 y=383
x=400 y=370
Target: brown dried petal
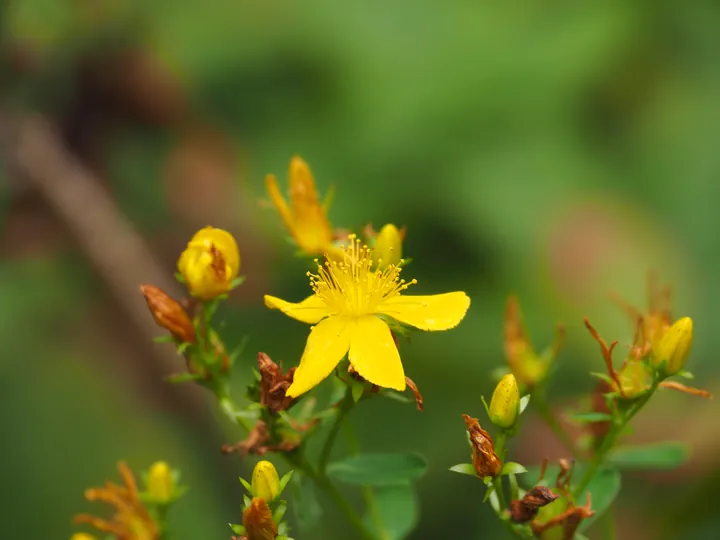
x=525 y=509
x=274 y=384
x=168 y=313
x=485 y=460
x=258 y=521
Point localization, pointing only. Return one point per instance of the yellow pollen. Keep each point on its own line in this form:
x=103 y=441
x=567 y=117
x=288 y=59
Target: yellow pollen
x=351 y=286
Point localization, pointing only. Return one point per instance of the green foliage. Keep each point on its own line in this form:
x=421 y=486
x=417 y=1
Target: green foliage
x=658 y=456
x=397 y=511
x=378 y=469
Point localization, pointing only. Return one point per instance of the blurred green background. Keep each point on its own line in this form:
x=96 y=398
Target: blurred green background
x=556 y=149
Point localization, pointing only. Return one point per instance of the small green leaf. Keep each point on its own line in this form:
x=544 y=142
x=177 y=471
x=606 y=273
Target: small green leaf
x=512 y=467
x=660 y=456
x=237 y=282
x=489 y=492
x=397 y=510
x=163 y=339
x=378 y=469
x=602 y=377
x=246 y=485
x=284 y=481
x=464 y=468
x=494 y=501
x=358 y=389
x=237 y=528
x=590 y=417
x=397 y=396
x=179 y=277
x=487 y=407
x=279 y=512
x=524 y=402
x=685 y=375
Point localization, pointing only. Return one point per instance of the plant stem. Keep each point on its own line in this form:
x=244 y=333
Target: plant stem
x=345 y=406
x=548 y=416
x=610 y=439
x=297 y=461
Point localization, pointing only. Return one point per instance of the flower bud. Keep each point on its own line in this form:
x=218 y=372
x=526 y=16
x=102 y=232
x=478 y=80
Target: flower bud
x=258 y=521
x=505 y=402
x=161 y=484
x=671 y=351
x=169 y=314
x=305 y=218
x=388 y=246
x=265 y=481
x=210 y=263
x=82 y=536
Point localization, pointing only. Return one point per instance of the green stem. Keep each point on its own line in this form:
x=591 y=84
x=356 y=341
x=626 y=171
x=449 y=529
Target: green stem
x=298 y=461
x=345 y=406
x=548 y=416
x=610 y=439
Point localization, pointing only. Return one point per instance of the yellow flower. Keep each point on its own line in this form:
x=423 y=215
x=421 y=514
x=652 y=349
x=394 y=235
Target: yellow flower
x=265 y=481
x=388 y=245
x=131 y=520
x=160 y=483
x=305 y=218
x=505 y=402
x=210 y=263
x=672 y=350
x=82 y=536
x=346 y=308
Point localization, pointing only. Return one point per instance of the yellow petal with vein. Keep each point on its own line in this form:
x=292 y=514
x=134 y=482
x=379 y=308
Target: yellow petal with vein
x=327 y=343
x=374 y=355
x=434 y=312
x=311 y=310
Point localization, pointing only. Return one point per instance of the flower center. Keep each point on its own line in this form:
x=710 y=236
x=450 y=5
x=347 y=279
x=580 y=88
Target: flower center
x=351 y=286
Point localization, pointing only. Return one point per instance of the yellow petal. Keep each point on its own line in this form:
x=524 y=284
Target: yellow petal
x=374 y=355
x=435 y=312
x=279 y=201
x=327 y=343
x=311 y=310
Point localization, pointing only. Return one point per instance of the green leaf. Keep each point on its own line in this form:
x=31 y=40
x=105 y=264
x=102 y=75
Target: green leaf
x=602 y=377
x=237 y=528
x=397 y=396
x=305 y=505
x=487 y=407
x=358 y=389
x=246 y=485
x=524 y=402
x=279 y=512
x=604 y=487
x=284 y=481
x=397 y=511
x=660 y=456
x=378 y=469
x=685 y=375
x=237 y=282
x=512 y=467
x=464 y=468
x=589 y=417
x=163 y=339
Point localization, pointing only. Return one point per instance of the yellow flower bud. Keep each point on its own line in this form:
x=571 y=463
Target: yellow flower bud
x=82 y=536
x=160 y=483
x=671 y=351
x=505 y=402
x=210 y=263
x=305 y=217
x=265 y=481
x=258 y=521
x=388 y=246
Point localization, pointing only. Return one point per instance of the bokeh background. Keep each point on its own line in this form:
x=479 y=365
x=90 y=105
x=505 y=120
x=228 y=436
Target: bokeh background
x=556 y=149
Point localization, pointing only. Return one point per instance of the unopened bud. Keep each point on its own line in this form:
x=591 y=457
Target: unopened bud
x=258 y=521
x=161 y=484
x=505 y=402
x=265 y=481
x=168 y=313
x=210 y=263
x=671 y=351
x=388 y=246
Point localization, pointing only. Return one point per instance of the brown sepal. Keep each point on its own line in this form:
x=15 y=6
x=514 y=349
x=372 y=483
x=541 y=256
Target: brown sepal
x=169 y=313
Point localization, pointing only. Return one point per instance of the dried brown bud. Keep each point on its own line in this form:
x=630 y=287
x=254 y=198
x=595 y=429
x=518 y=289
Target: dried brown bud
x=568 y=521
x=274 y=384
x=527 y=508
x=485 y=460
x=258 y=521
x=169 y=314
